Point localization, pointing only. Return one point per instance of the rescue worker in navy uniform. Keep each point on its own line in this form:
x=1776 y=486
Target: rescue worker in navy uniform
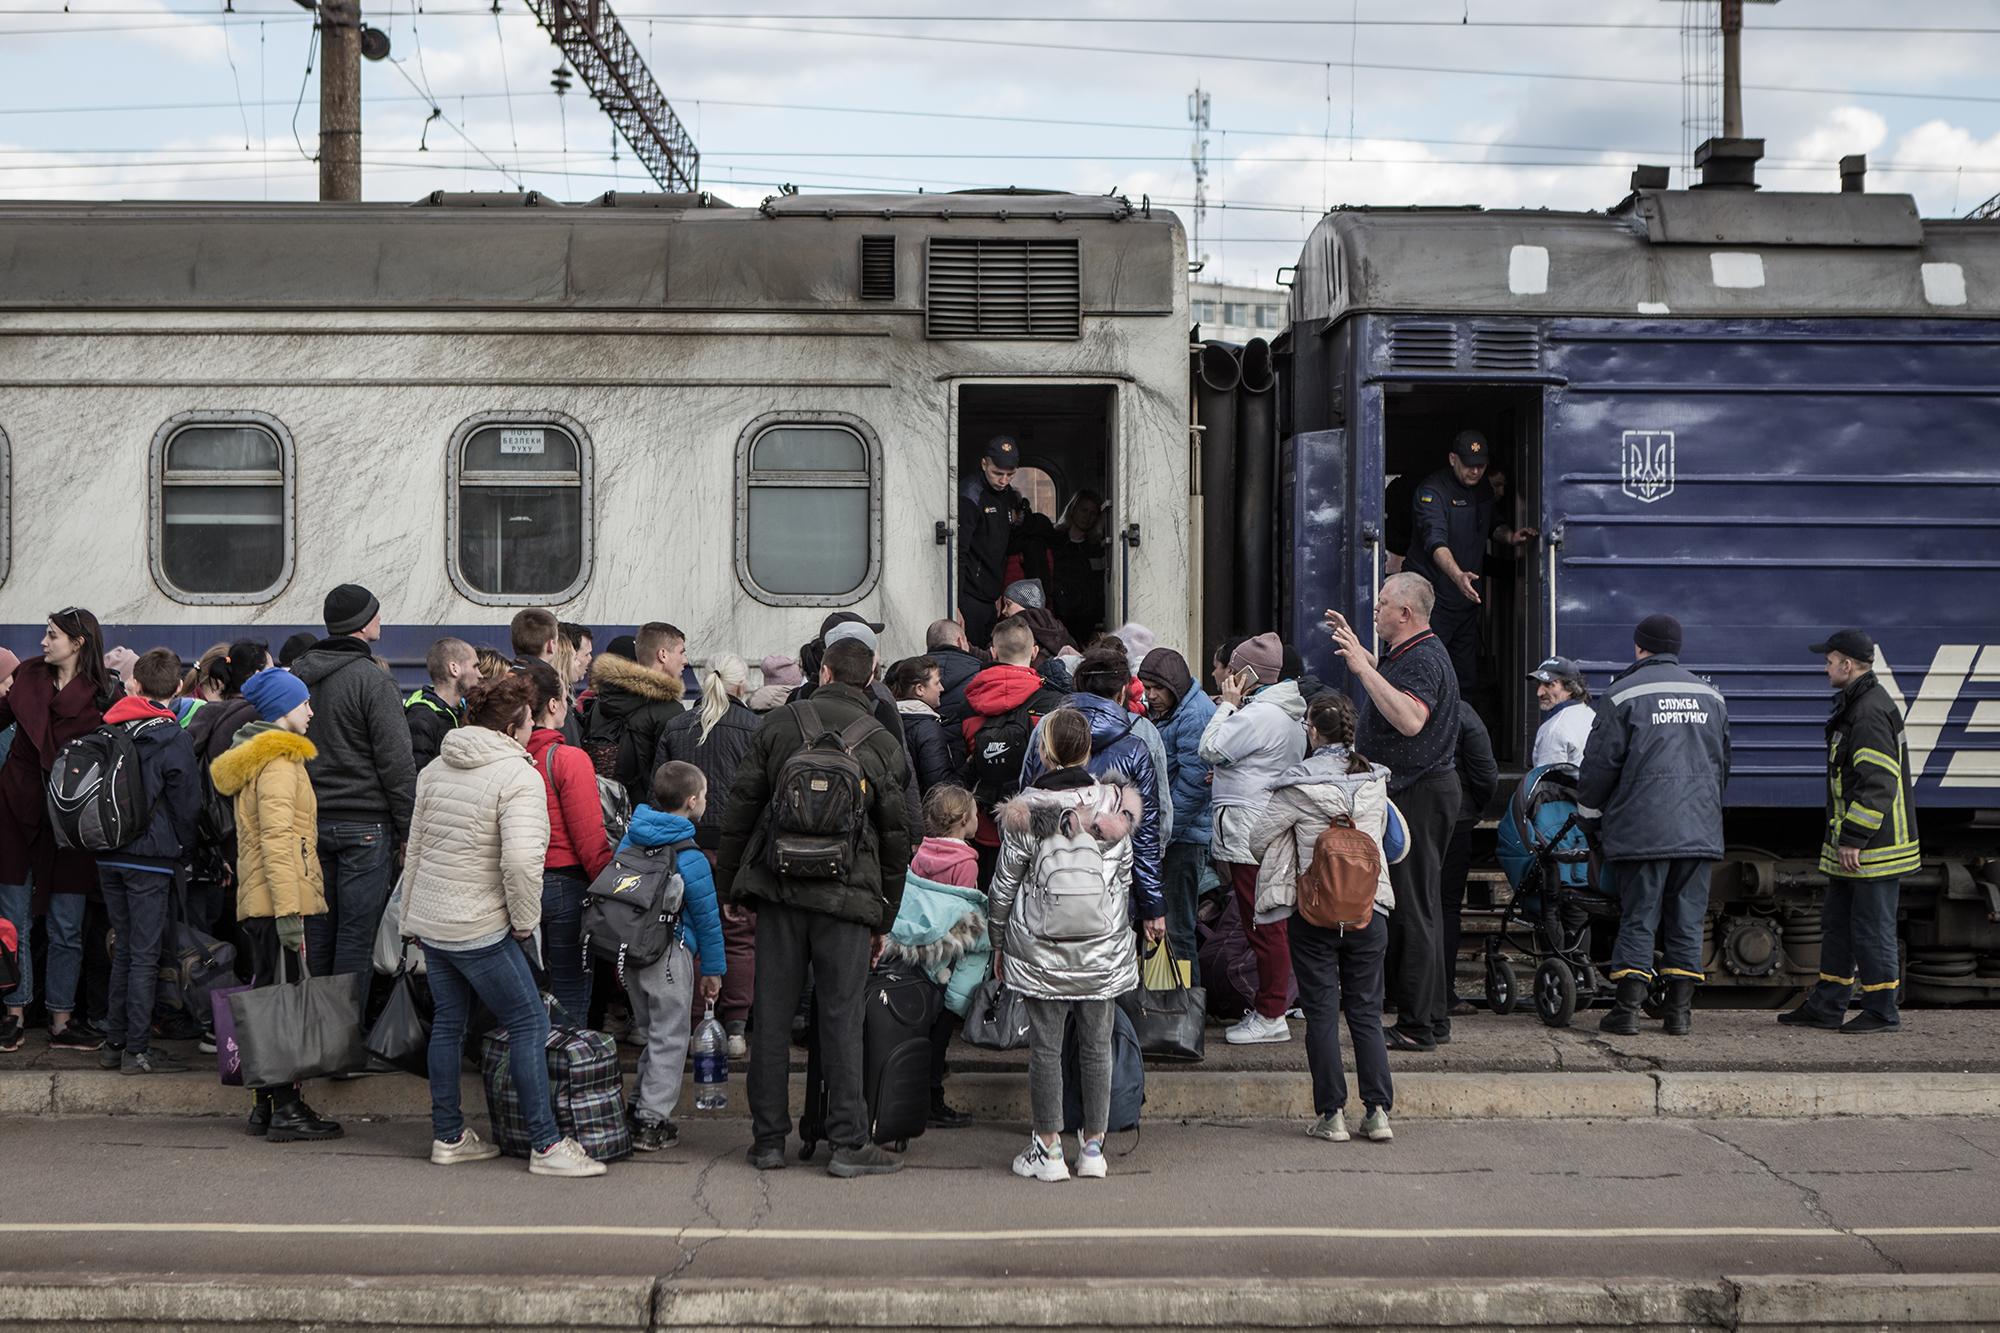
x=1454 y=516
x=1871 y=843
x=990 y=516
x=1651 y=781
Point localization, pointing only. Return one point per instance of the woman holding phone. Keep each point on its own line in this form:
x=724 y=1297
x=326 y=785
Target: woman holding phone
x=1254 y=737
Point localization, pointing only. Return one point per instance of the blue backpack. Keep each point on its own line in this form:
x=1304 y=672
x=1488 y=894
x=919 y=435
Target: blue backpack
x=1128 y=1077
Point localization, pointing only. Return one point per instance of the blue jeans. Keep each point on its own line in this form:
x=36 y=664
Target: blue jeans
x=63 y=929
x=499 y=975
x=354 y=859
x=137 y=902
x=563 y=894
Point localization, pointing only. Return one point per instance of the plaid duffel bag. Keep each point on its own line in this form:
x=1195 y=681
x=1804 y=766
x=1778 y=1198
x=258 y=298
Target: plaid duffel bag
x=586 y=1092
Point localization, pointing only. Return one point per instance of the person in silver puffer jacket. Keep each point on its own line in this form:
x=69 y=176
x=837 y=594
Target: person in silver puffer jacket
x=1068 y=951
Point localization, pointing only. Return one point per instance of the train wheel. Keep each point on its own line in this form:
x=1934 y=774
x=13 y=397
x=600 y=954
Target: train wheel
x=1555 y=992
x=1503 y=992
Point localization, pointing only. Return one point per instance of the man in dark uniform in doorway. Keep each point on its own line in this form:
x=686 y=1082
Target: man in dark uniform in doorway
x=1870 y=844
x=1454 y=514
x=990 y=515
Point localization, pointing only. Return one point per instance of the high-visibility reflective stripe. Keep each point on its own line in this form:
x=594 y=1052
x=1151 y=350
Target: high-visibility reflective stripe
x=1838 y=981
x=1892 y=851
x=1681 y=972
x=1667 y=687
x=1867 y=756
x=1621 y=973
x=1880 y=986
x=1866 y=818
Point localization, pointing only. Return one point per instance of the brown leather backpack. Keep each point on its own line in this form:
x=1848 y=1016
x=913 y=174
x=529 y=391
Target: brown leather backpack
x=1337 y=891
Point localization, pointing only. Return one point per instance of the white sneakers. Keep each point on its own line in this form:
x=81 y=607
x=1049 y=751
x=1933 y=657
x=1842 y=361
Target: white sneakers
x=1043 y=1161
x=1090 y=1162
x=1332 y=1128
x=469 y=1148
x=1375 y=1127
x=564 y=1157
x=1255 y=1028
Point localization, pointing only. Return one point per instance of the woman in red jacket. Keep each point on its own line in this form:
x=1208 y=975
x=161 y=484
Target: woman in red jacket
x=578 y=845
x=55 y=698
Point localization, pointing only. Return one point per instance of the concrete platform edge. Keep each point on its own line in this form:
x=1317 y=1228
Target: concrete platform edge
x=1171 y=1094
x=105 y=1301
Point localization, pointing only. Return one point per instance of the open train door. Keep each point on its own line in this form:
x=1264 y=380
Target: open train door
x=1330 y=556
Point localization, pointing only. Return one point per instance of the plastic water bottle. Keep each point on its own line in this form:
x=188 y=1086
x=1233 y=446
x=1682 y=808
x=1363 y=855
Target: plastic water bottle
x=711 y=1064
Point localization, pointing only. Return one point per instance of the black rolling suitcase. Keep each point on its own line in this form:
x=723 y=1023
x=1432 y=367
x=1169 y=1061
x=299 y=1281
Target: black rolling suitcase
x=902 y=1006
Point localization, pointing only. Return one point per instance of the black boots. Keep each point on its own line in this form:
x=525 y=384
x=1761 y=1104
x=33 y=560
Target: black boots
x=1623 y=1020
x=944 y=1115
x=292 y=1121
x=260 y=1114
x=1680 y=1006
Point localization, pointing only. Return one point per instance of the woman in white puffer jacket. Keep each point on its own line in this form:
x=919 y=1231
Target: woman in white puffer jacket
x=472 y=895
x=1339 y=971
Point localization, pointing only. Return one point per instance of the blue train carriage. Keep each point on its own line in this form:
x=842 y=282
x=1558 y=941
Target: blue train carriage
x=1769 y=414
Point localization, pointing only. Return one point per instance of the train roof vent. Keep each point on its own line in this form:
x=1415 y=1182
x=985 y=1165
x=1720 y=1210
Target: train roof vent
x=1002 y=287
x=878 y=268
x=1515 y=349
x=1414 y=346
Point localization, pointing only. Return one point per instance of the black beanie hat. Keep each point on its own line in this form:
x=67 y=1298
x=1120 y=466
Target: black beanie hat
x=348 y=608
x=1658 y=634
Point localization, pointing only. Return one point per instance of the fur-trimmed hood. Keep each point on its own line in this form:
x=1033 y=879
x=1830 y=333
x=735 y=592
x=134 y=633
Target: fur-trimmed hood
x=1034 y=811
x=240 y=764
x=608 y=672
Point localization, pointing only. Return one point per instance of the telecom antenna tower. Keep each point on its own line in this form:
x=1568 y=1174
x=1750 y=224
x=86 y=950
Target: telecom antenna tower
x=1198 y=159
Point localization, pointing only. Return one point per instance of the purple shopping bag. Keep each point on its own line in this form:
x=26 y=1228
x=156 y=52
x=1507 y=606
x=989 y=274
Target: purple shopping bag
x=228 y=1059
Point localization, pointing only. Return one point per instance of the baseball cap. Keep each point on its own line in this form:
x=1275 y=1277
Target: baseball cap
x=1003 y=451
x=845 y=618
x=858 y=630
x=1856 y=643
x=1555 y=669
x=1471 y=448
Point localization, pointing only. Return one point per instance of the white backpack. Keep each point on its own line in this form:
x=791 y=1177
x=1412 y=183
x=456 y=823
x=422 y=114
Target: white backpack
x=1072 y=893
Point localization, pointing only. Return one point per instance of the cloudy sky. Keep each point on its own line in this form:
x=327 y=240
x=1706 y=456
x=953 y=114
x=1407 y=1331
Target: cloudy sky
x=1313 y=103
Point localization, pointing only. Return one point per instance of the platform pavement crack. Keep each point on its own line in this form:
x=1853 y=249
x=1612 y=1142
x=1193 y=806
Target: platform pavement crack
x=1625 y=1063
x=699 y=1197
x=1814 y=1204
x=1973 y=1144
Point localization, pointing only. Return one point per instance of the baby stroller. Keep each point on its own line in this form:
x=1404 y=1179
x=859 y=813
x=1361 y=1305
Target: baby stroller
x=1547 y=860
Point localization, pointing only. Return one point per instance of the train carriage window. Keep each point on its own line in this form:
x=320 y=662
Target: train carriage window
x=222 y=507
x=520 y=508
x=809 y=509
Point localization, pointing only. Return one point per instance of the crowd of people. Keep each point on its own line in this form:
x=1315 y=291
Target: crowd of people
x=1007 y=805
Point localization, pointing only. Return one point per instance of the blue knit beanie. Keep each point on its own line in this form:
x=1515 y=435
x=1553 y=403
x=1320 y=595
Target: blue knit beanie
x=274 y=692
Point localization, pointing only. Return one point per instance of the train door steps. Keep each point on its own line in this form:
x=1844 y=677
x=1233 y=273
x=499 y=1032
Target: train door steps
x=1737 y=1063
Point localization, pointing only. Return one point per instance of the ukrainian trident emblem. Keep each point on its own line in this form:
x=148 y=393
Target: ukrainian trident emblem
x=1648 y=464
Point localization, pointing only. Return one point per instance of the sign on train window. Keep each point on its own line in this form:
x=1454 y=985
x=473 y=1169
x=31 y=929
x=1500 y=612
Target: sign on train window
x=808 y=510
x=520 y=508
x=222 y=507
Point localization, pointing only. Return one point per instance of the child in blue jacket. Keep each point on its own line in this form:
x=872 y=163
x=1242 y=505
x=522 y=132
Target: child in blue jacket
x=662 y=995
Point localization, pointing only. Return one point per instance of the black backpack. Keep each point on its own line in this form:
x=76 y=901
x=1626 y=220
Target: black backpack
x=820 y=800
x=993 y=759
x=633 y=908
x=213 y=855
x=97 y=795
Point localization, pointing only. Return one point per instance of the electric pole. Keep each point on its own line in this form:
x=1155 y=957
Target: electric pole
x=340 y=100
x=1198 y=159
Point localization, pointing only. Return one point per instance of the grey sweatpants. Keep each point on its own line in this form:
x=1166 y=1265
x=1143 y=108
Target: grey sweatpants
x=1047 y=1023
x=661 y=1009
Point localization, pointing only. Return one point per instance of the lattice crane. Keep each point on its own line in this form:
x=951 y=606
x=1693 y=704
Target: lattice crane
x=595 y=42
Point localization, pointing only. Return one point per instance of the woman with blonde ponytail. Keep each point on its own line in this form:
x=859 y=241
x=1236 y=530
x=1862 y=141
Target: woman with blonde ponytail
x=714 y=737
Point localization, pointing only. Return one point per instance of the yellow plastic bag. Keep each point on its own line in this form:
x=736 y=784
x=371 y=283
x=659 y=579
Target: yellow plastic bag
x=1157 y=970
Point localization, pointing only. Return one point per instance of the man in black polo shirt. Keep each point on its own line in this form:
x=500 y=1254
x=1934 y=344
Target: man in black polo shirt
x=1410 y=724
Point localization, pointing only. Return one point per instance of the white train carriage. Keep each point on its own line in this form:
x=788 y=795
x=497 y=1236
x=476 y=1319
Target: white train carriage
x=649 y=407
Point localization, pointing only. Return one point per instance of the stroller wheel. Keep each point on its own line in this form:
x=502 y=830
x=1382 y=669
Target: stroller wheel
x=1503 y=991
x=1655 y=1003
x=1555 y=992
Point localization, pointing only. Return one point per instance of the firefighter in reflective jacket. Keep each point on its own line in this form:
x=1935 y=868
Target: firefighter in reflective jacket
x=1870 y=844
x=1453 y=514
x=1652 y=777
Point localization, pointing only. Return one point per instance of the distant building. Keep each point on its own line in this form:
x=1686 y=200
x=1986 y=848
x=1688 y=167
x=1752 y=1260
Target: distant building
x=1238 y=314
